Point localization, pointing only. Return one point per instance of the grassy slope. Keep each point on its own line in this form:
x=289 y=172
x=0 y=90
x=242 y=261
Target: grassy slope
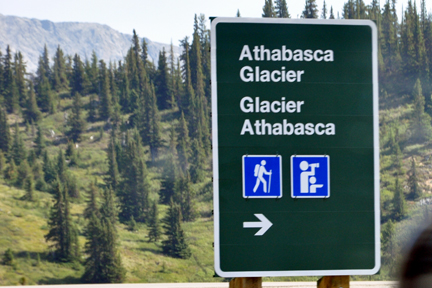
x=23 y=224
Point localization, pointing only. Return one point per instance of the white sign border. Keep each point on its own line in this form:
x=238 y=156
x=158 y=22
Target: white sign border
x=218 y=270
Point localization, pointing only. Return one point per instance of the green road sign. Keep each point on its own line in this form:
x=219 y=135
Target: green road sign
x=295 y=147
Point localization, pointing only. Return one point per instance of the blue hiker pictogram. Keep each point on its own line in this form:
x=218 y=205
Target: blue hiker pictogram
x=310 y=176
x=262 y=176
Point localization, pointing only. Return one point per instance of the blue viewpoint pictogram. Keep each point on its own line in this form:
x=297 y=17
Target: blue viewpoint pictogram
x=310 y=176
x=262 y=176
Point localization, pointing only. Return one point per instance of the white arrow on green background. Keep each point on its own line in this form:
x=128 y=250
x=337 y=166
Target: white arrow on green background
x=264 y=224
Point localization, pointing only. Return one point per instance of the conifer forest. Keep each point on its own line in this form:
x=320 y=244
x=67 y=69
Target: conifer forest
x=106 y=168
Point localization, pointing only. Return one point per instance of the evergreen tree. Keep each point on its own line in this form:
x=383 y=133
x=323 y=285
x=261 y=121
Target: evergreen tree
x=310 y=10
x=388 y=242
x=59 y=77
x=113 y=176
x=71 y=154
x=24 y=172
x=32 y=113
x=8 y=257
x=92 y=110
x=169 y=173
x=197 y=161
x=61 y=166
x=18 y=151
x=45 y=97
x=103 y=264
x=324 y=11
x=153 y=130
x=39 y=141
x=11 y=172
x=175 y=244
x=163 y=83
x=76 y=123
x=79 y=81
x=29 y=188
x=62 y=233
x=184 y=196
x=105 y=109
x=10 y=90
x=331 y=13
x=399 y=204
x=155 y=229
x=183 y=146
x=420 y=126
x=281 y=9
x=268 y=9
x=92 y=207
x=50 y=172
x=93 y=73
x=134 y=188
x=238 y=13
x=5 y=138
x=39 y=177
x=413 y=181
x=19 y=75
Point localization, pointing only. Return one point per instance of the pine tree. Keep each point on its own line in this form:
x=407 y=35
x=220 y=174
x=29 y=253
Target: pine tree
x=10 y=90
x=79 y=81
x=103 y=264
x=45 y=97
x=163 y=83
x=113 y=176
x=29 y=188
x=71 y=154
x=20 y=81
x=420 y=124
x=8 y=257
x=268 y=9
x=32 y=113
x=155 y=229
x=153 y=130
x=93 y=73
x=238 y=15
x=39 y=177
x=62 y=233
x=183 y=146
x=39 y=141
x=59 y=77
x=11 y=172
x=388 y=242
x=18 y=151
x=76 y=123
x=310 y=10
x=61 y=166
x=324 y=11
x=281 y=9
x=197 y=161
x=92 y=207
x=399 y=204
x=5 y=138
x=134 y=188
x=2 y=162
x=24 y=172
x=169 y=173
x=184 y=196
x=50 y=172
x=331 y=13
x=105 y=109
x=175 y=244
x=413 y=181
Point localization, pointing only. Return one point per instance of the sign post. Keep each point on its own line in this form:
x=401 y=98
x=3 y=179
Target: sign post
x=295 y=147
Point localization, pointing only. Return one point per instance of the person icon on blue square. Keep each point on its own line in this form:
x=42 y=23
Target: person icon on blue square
x=262 y=176
x=310 y=176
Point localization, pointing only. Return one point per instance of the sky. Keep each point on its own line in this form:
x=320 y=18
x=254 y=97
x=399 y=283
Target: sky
x=162 y=21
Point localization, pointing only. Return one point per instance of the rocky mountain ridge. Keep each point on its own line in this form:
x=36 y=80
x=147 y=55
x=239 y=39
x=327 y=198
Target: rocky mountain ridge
x=30 y=35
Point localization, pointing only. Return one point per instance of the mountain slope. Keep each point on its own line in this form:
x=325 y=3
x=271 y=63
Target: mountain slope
x=30 y=35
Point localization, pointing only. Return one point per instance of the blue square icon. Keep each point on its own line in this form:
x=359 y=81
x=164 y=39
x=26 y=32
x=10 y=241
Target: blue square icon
x=310 y=176
x=262 y=176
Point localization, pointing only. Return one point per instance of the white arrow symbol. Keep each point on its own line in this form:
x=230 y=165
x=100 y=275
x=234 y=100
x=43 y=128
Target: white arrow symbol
x=265 y=224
